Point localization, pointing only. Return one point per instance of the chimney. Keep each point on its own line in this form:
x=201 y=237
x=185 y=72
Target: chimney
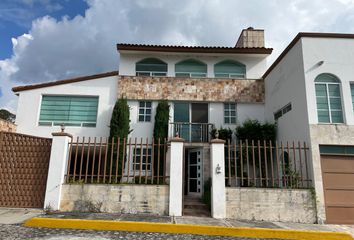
x=251 y=38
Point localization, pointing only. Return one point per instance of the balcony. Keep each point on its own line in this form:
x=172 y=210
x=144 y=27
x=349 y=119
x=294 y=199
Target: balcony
x=191 y=132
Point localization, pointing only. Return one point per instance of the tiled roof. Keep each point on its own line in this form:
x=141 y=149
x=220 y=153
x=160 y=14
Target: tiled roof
x=65 y=81
x=193 y=49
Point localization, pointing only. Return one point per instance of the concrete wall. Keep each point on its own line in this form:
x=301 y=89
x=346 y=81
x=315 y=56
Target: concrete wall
x=132 y=199
x=29 y=104
x=283 y=205
x=7 y=126
x=255 y=64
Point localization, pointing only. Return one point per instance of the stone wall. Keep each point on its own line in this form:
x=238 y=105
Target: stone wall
x=151 y=199
x=192 y=89
x=281 y=205
x=7 y=126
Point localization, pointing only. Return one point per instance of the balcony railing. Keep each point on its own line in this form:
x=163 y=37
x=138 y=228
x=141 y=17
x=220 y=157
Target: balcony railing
x=191 y=132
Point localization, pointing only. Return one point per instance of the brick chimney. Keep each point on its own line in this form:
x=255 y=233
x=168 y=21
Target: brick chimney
x=250 y=38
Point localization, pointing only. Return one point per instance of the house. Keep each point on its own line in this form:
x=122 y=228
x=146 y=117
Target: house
x=310 y=94
x=307 y=91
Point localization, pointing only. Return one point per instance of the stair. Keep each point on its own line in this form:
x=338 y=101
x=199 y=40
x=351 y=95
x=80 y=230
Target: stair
x=194 y=206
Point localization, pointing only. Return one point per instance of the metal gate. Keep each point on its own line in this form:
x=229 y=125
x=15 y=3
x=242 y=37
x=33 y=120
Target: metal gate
x=24 y=162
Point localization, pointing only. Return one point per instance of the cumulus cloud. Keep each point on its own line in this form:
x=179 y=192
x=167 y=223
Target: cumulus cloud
x=84 y=45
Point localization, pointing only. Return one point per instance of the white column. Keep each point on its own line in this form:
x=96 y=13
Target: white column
x=57 y=168
x=176 y=177
x=218 y=194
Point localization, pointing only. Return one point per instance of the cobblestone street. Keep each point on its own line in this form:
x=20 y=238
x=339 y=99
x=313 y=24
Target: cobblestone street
x=12 y=232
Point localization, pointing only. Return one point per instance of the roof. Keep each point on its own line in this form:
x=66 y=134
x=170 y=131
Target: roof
x=192 y=49
x=298 y=37
x=65 y=81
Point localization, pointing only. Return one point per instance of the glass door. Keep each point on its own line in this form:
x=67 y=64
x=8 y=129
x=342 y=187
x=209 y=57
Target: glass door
x=195 y=172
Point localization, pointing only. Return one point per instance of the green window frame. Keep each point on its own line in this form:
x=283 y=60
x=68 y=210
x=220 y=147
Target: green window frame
x=191 y=68
x=229 y=69
x=80 y=111
x=328 y=99
x=230 y=113
x=145 y=108
x=151 y=67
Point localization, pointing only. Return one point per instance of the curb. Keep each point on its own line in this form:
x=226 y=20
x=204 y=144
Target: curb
x=184 y=229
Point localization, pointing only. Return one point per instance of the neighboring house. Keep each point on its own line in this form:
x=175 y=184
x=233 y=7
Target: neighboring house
x=310 y=94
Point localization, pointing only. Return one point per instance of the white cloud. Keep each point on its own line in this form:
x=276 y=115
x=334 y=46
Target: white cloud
x=84 y=45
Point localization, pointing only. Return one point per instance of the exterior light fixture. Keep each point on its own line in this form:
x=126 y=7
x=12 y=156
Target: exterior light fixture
x=218 y=169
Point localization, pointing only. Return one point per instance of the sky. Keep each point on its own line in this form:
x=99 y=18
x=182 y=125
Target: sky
x=45 y=40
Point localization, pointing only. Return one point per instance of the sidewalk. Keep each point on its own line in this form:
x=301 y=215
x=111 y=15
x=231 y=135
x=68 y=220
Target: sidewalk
x=192 y=225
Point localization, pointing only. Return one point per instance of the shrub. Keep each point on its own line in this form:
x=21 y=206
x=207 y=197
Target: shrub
x=119 y=127
x=161 y=120
x=224 y=133
x=254 y=130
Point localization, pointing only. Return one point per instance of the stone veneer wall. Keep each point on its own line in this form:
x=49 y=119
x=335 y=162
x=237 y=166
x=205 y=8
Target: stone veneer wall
x=7 y=126
x=192 y=89
x=152 y=199
x=260 y=204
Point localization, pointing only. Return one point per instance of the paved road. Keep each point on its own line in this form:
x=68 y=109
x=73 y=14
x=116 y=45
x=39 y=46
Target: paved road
x=12 y=232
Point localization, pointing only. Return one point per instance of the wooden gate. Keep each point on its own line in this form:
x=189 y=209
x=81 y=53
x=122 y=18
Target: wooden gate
x=24 y=162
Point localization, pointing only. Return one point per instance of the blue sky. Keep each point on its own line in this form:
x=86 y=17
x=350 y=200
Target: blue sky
x=16 y=17
x=38 y=44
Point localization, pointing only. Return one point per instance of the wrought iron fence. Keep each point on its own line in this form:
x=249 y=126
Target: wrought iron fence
x=116 y=160
x=266 y=164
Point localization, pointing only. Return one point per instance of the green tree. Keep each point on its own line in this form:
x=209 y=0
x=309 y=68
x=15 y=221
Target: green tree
x=254 y=130
x=7 y=116
x=119 y=128
x=120 y=122
x=161 y=132
x=161 y=120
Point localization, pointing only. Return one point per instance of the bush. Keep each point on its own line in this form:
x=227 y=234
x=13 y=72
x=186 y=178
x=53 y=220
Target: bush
x=161 y=120
x=119 y=127
x=254 y=130
x=224 y=133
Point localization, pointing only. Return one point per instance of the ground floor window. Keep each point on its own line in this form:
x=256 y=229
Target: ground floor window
x=142 y=160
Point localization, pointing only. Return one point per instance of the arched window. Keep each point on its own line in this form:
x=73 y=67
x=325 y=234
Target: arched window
x=151 y=67
x=229 y=69
x=191 y=68
x=328 y=99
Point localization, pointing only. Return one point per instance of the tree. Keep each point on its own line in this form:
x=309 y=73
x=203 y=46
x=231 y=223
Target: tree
x=161 y=120
x=120 y=122
x=254 y=130
x=7 y=116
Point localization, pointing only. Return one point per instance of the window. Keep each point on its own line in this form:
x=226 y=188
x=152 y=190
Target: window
x=336 y=150
x=230 y=113
x=68 y=110
x=142 y=160
x=229 y=69
x=328 y=99
x=151 y=67
x=287 y=108
x=144 y=111
x=191 y=68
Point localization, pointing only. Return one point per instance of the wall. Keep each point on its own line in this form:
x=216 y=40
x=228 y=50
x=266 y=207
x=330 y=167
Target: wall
x=337 y=57
x=281 y=205
x=7 y=126
x=131 y=198
x=29 y=104
x=283 y=85
x=255 y=64
x=141 y=129
x=192 y=89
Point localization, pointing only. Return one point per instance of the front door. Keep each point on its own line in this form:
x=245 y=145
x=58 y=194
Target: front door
x=195 y=172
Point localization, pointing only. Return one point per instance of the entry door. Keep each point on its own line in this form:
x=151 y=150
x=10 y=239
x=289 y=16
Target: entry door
x=195 y=181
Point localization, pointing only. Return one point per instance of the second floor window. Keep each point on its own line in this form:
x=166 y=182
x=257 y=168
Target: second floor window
x=328 y=99
x=230 y=113
x=69 y=110
x=191 y=68
x=144 y=111
x=151 y=67
x=229 y=69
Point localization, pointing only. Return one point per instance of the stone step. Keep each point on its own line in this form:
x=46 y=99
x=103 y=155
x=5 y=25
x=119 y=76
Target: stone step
x=196 y=212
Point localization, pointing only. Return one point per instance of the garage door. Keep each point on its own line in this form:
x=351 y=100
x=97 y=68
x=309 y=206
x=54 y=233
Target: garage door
x=338 y=183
